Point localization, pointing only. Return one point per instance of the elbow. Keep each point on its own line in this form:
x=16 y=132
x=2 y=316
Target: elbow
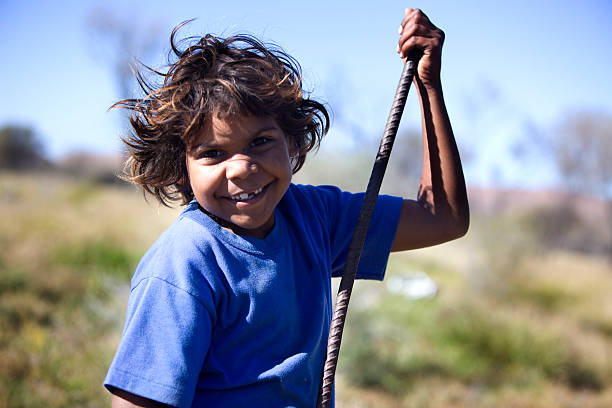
x=459 y=226
x=464 y=223
x=462 y=228
x=456 y=232
x=457 y=218
x=462 y=219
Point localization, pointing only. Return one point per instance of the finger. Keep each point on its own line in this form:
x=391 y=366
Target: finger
x=419 y=37
x=414 y=44
x=416 y=29
x=412 y=31
x=416 y=24
x=415 y=16
x=428 y=44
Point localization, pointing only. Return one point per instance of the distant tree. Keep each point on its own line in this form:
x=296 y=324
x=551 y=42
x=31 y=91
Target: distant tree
x=582 y=151
x=21 y=149
x=117 y=40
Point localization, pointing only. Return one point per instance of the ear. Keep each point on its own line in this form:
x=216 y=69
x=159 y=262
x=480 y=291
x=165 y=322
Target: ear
x=294 y=150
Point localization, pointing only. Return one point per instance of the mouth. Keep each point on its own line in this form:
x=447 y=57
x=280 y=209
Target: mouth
x=242 y=197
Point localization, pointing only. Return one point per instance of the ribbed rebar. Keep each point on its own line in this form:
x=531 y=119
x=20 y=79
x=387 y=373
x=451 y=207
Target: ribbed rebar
x=360 y=232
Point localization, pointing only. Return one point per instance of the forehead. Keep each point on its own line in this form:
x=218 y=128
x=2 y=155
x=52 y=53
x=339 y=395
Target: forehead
x=219 y=129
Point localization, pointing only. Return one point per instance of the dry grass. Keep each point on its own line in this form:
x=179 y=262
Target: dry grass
x=67 y=250
x=513 y=325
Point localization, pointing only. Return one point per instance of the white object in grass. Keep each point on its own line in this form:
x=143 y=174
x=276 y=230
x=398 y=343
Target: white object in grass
x=416 y=285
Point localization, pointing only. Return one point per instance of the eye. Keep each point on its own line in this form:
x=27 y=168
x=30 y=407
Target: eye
x=259 y=141
x=211 y=154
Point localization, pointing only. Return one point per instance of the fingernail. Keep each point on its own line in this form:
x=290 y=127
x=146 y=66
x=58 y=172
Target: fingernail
x=398 y=49
x=400 y=29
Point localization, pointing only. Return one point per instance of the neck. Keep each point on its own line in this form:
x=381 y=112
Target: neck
x=230 y=226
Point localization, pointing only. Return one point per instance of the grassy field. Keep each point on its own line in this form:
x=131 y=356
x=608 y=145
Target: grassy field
x=514 y=323
x=68 y=250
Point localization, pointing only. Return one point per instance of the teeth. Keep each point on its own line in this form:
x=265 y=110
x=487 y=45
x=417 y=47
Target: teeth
x=246 y=196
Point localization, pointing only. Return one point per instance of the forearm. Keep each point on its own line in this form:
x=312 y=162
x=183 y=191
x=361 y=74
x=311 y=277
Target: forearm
x=440 y=213
x=442 y=188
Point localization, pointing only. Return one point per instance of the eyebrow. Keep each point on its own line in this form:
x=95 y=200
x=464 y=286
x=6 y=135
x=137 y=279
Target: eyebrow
x=204 y=145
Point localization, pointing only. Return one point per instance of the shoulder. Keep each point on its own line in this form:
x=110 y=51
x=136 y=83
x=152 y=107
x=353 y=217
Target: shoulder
x=183 y=256
x=317 y=198
x=334 y=201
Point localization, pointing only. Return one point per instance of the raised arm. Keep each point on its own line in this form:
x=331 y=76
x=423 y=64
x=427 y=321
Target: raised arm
x=441 y=212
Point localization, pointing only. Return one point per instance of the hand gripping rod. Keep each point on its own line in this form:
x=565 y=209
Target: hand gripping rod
x=361 y=229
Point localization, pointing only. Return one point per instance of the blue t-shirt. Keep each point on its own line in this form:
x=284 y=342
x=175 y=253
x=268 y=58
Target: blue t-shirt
x=217 y=319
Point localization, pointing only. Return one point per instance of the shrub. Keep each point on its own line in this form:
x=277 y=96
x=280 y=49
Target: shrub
x=394 y=345
x=20 y=149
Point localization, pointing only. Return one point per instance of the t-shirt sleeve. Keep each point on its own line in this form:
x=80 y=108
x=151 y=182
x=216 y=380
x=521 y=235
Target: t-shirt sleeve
x=343 y=211
x=164 y=343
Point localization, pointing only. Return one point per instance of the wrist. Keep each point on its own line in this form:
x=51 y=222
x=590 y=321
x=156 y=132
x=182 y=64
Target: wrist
x=429 y=86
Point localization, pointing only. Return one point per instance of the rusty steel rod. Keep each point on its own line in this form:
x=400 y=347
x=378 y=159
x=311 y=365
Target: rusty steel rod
x=360 y=232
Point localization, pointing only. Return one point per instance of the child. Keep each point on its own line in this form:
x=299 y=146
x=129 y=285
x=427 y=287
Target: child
x=231 y=306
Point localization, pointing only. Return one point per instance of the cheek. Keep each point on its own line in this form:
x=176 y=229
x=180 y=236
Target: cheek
x=200 y=180
x=282 y=158
x=281 y=166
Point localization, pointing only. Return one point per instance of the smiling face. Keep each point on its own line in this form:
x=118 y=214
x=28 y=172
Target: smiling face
x=239 y=169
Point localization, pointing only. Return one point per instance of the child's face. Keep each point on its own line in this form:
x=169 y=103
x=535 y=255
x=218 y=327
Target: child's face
x=239 y=170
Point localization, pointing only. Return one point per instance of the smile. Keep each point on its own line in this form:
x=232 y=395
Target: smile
x=247 y=196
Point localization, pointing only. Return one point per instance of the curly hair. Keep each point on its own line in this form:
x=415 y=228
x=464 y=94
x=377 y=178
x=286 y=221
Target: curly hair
x=225 y=77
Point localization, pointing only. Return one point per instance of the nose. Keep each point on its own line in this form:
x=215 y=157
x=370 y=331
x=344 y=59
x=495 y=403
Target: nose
x=240 y=166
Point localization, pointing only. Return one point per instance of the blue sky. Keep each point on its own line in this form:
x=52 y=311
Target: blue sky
x=508 y=67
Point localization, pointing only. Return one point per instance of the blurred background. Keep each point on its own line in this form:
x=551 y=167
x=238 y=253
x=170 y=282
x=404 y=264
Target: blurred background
x=517 y=313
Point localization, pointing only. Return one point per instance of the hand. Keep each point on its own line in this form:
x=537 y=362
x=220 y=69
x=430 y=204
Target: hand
x=419 y=35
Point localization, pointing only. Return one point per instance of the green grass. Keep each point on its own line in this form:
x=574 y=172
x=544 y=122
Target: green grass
x=464 y=342
x=101 y=256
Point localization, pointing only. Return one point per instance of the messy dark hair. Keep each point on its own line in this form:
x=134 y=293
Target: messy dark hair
x=213 y=76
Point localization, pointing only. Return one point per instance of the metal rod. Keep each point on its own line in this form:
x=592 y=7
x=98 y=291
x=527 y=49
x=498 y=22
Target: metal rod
x=360 y=232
